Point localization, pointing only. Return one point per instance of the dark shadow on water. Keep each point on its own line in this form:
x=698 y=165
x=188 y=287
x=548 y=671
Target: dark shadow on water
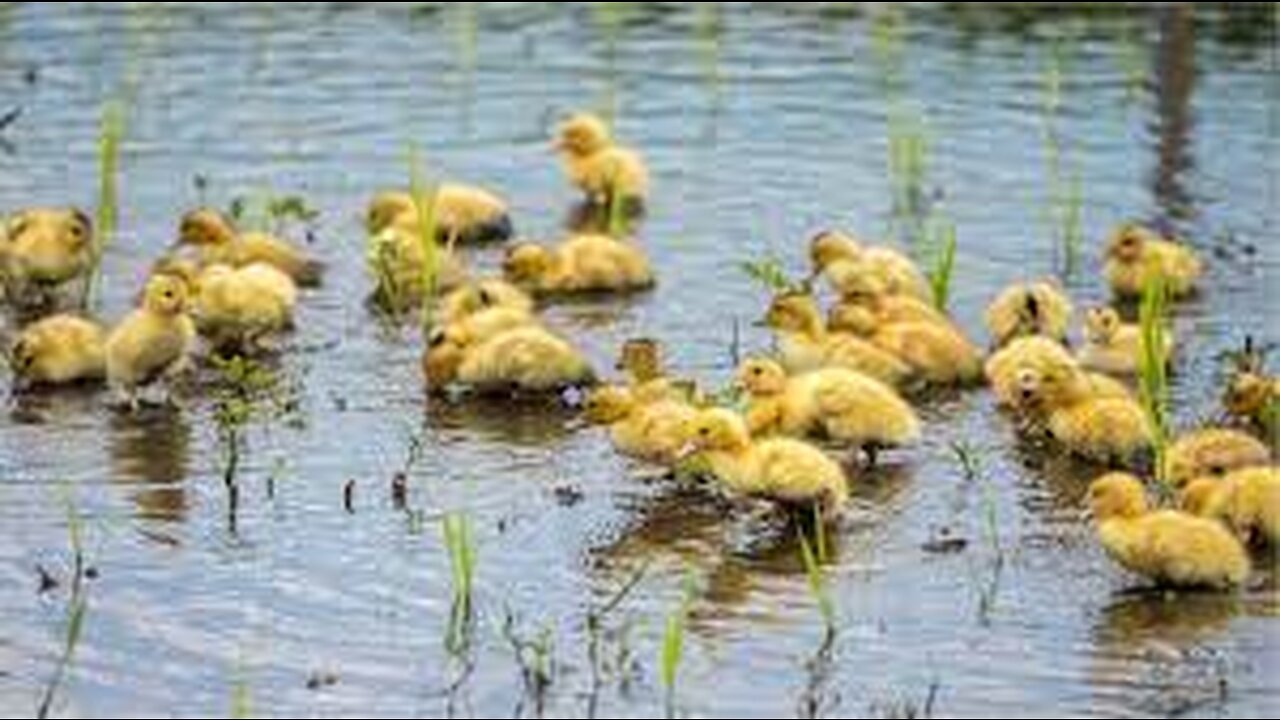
x=527 y=421
x=150 y=453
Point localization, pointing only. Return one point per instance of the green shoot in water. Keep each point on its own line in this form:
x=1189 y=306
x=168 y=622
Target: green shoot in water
x=817 y=582
x=908 y=170
x=241 y=696
x=769 y=274
x=110 y=136
x=1153 y=371
x=944 y=262
x=424 y=202
x=673 y=644
x=77 y=603
x=460 y=545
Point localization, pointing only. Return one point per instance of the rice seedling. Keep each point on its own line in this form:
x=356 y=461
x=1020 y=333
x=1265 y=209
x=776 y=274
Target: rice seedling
x=908 y=170
x=595 y=627
x=944 y=261
x=967 y=456
x=817 y=582
x=111 y=131
x=424 y=201
x=989 y=589
x=459 y=543
x=1153 y=372
x=768 y=273
x=888 y=36
x=1065 y=187
x=536 y=659
x=77 y=604
x=241 y=695
x=673 y=644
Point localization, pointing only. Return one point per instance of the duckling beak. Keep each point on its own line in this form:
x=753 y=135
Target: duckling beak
x=686 y=452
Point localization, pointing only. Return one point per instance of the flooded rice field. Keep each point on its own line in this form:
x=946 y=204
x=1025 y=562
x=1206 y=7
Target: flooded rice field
x=965 y=592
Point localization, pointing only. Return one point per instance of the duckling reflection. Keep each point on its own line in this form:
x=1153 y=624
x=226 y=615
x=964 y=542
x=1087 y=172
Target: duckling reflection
x=151 y=454
x=532 y=421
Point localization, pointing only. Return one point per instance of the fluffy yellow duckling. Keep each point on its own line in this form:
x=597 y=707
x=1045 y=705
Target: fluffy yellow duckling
x=1101 y=429
x=478 y=295
x=805 y=344
x=59 y=350
x=1137 y=255
x=1039 y=353
x=599 y=167
x=787 y=471
x=650 y=431
x=936 y=352
x=43 y=248
x=1170 y=547
x=838 y=403
x=153 y=341
x=1112 y=346
x=479 y=327
x=1247 y=500
x=896 y=271
x=238 y=308
x=461 y=213
x=218 y=242
x=583 y=263
x=641 y=361
x=1034 y=308
x=860 y=288
x=528 y=359
x=1254 y=398
x=1212 y=452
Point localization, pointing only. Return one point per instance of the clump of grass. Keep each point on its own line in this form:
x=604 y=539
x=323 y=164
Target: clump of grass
x=267 y=211
x=111 y=130
x=944 y=262
x=460 y=545
x=424 y=202
x=673 y=644
x=77 y=604
x=1153 y=371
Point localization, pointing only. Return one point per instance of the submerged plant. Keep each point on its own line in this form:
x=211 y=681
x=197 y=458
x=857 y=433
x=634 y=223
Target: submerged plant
x=768 y=273
x=908 y=171
x=458 y=541
x=536 y=658
x=817 y=582
x=673 y=644
x=77 y=604
x=596 y=630
x=111 y=131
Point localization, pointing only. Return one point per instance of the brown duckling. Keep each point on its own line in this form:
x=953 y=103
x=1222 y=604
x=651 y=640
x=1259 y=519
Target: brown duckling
x=1035 y=308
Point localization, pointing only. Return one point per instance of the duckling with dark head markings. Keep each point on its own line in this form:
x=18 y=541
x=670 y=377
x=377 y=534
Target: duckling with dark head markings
x=1034 y=308
x=1137 y=255
x=477 y=296
x=1102 y=429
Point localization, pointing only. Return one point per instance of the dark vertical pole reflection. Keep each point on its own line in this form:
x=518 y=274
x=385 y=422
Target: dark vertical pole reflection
x=1175 y=79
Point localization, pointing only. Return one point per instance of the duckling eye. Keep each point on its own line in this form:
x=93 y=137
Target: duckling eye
x=757 y=371
x=704 y=432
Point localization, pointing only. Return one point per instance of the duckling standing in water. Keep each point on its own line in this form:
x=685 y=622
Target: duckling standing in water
x=805 y=344
x=218 y=243
x=837 y=403
x=58 y=350
x=583 y=263
x=41 y=250
x=479 y=295
x=462 y=214
x=787 y=471
x=1171 y=548
x=153 y=341
x=599 y=167
x=936 y=352
x=650 y=431
x=1100 y=429
x=1247 y=500
x=1112 y=346
x=895 y=271
x=1212 y=452
x=1137 y=256
x=1035 y=308
x=525 y=359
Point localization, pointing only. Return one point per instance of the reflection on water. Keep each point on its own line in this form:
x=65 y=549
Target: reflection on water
x=150 y=455
x=1175 y=80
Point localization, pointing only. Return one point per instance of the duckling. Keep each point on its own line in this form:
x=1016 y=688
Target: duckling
x=1037 y=352
x=1170 y=547
x=238 y=308
x=42 y=249
x=1138 y=255
x=480 y=326
x=153 y=341
x=1112 y=346
x=599 y=167
x=936 y=352
x=218 y=242
x=641 y=360
x=1034 y=308
x=396 y=258
x=859 y=287
x=583 y=263
x=838 y=403
x=805 y=344
x=478 y=295
x=1247 y=500
x=524 y=359
x=461 y=213
x=1212 y=452
x=1255 y=399
x=1099 y=429
x=787 y=471
x=897 y=271
x=58 y=350
x=650 y=431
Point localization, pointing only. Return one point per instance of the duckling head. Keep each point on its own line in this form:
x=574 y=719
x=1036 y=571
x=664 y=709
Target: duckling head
x=1117 y=496
x=762 y=377
x=830 y=246
x=66 y=231
x=1052 y=384
x=526 y=263
x=608 y=404
x=165 y=295
x=205 y=227
x=385 y=208
x=717 y=430
x=641 y=358
x=444 y=355
x=794 y=312
x=1198 y=495
x=1127 y=243
x=1247 y=394
x=854 y=319
x=582 y=134
x=1100 y=324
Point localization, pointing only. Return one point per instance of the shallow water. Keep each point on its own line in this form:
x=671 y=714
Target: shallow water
x=762 y=122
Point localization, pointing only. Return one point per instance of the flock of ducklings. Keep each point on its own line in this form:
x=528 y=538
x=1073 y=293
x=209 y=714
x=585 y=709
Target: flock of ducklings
x=844 y=377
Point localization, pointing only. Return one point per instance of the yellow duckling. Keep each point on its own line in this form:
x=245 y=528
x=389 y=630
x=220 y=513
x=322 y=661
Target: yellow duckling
x=787 y=471
x=239 y=308
x=838 y=403
x=1112 y=346
x=1247 y=500
x=479 y=327
x=1137 y=255
x=42 y=249
x=898 y=273
x=650 y=431
x=599 y=167
x=397 y=260
x=641 y=360
x=1170 y=547
x=478 y=295
x=1034 y=308
x=1101 y=429
x=1212 y=452
x=1254 y=398
x=461 y=213
x=583 y=263
x=59 y=350
x=153 y=341
x=528 y=359
x=1039 y=353
x=218 y=242
x=936 y=352
x=805 y=344
x=860 y=288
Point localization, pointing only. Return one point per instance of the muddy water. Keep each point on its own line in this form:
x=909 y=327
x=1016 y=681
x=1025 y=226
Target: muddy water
x=762 y=122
